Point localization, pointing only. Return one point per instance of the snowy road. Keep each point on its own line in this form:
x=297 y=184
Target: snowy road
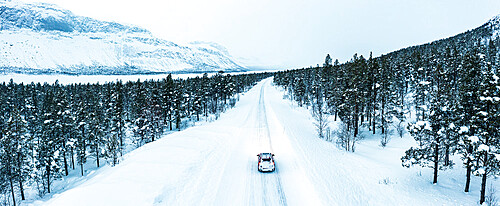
x=265 y=188
x=216 y=164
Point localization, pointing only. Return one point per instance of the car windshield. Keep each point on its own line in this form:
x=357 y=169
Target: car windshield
x=266 y=156
x=266 y=159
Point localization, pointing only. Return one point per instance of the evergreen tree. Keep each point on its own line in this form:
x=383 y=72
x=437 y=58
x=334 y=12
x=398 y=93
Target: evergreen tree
x=140 y=114
x=115 y=143
x=328 y=61
x=47 y=146
x=469 y=99
x=95 y=124
x=81 y=125
x=488 y=132
x=14 y=149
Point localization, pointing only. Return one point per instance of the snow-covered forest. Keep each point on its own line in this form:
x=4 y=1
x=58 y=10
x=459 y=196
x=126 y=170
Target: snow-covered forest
x=454 y=89
x=48 y=130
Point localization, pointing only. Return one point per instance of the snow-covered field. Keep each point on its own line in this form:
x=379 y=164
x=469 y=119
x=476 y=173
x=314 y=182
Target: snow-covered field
x=215 y=164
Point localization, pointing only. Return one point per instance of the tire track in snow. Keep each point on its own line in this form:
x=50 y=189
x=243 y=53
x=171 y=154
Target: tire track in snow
x=237 y=166
x=263 y=136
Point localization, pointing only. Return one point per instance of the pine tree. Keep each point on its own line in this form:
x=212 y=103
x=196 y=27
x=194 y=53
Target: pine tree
x=65 y=121
x=198 y=94
x=81 y=126
x=95 y=124
x=47 y=147
x=14 y=145
x=139 y=114
x=488 y=124
x=300 y=92
x=387 y=104
x=179 y=105
x=154 y=116
x=469 y=97
x=430 y=133
x=328 y=61
x=207 y=92
x=318 y=107
x=168 y=100
x=117 y=128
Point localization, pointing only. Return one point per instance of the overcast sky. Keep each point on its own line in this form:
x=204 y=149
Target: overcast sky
x=295 y=33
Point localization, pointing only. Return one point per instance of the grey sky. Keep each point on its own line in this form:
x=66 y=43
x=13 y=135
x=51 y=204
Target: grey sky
x=295 y=33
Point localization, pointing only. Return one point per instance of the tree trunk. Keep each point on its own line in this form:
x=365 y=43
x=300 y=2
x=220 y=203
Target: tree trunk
x=447 y=156
x=19 y=165
x=348 y=144
x=170 y=120
x=356 y=119
x=21 y=189
x=121 y=139
x=406 y=87
x=373 y=121
x=65 y=163
x=205 y=109
x=436 y=162
x=154 y=133
x=374 y=104
x=467 y=180
x=369 y=118
x=382 y=119
x=81 y=167
x=83 y=148
x=97 y=153
x=483 y=181
x=483 y=189
x=72 y=159
x=47 y=169
x=12 y=191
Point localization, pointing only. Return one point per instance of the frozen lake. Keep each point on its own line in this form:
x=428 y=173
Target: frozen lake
x=70 y=79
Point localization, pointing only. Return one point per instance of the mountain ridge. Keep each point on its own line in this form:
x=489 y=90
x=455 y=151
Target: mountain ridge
x=41 y=38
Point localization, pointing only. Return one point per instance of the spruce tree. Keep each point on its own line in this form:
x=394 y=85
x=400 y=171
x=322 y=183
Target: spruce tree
x=488 y=124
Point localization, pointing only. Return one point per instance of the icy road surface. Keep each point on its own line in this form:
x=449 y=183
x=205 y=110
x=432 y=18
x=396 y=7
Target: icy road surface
x=216 y=164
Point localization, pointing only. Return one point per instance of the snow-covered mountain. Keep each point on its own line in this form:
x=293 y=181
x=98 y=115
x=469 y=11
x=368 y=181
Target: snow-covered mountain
x=494 y=25
x=43 y=38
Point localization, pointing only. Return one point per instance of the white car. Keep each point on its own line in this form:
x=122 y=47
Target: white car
x=266 y=162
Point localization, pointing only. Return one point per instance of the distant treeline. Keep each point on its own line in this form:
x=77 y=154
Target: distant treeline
x=453 y=85
x=46 y=130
